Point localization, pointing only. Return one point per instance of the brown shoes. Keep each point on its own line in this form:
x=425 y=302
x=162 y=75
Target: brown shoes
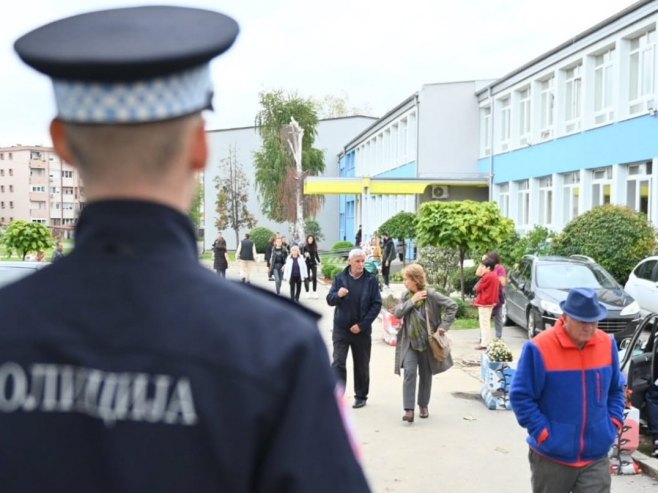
x=424 y=412
x=408 y=416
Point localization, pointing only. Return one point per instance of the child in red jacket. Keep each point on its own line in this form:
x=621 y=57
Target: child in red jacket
x=487 y=291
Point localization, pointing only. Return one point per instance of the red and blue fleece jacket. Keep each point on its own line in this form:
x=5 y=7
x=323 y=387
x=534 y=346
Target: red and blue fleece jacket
x=569 y=399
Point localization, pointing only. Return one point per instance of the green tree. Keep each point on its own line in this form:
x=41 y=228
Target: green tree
x=614 y=236
x=402 y=225
x=439 y=265
x=195 y=208
x=312 y=227
x=25 y=237
x=332 y=106
x=466 y=226
x=275 y=166
x=261 y=237
x=537 y=241
x=232 y=186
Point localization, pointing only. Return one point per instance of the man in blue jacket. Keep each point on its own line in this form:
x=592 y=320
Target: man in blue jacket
x=355 y=294
x=569 y=394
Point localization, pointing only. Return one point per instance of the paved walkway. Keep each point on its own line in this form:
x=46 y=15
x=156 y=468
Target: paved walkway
x=463 y=447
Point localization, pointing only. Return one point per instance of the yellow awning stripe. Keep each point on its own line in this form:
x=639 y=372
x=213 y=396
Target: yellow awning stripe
x=333 y=187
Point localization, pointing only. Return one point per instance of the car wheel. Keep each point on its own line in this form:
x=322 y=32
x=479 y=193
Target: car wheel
x=533 y=323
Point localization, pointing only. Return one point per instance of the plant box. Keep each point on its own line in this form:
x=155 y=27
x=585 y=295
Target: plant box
x=497 y=377
x=391 y=325
x=626 y=442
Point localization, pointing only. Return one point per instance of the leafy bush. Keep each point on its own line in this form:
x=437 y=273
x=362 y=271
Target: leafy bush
x=396 y=277
x=439 y=264
x=330 y=271
x=261 y=237
x=538 y=241
x=401 y=225
x=614 y=236
x=470 y=280
x=312 y=227
x=25 y=237
x=342 y=245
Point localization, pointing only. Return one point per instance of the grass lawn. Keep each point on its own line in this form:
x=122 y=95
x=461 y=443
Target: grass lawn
x=465 y=323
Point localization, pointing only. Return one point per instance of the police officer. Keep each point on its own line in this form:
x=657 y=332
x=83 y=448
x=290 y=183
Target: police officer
x=139 y=370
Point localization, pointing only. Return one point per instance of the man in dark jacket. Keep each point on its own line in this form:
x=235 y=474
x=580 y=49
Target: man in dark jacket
x=355 y=294
x=162 y=377
x=388 y=256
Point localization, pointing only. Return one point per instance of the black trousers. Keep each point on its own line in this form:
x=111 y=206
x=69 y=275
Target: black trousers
x=295 y=288
x=360 y=344
x=386 y=270
x=312 y=274
x=221 y=272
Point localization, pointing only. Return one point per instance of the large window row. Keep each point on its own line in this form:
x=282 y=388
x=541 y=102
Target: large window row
x=554 y=200
x=614 y=80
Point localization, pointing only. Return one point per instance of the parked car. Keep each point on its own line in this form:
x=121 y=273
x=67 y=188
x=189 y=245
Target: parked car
x=536 y=288
x=642 y=284
x=638 y=361
x=13 y=271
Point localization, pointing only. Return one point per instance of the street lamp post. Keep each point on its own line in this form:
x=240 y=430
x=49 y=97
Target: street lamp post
x=295 y=136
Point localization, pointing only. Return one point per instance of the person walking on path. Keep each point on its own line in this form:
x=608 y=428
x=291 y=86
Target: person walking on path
x=355 y=294
x=388 y=256
x=163 y=378
x=277 y=261
x=220 y=262
x=412 y=350
x=498 y=311
x=357 y=238
x=58 y=253
x=487 y=293
x=268 y=256
x=312 y=258
x=295 y=272
x=568 y=393
x=401 y=248
x=246 y=255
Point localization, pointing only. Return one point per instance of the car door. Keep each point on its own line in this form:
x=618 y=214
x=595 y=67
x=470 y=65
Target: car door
x=644 y=285
x=518 y=284
x=641 y=360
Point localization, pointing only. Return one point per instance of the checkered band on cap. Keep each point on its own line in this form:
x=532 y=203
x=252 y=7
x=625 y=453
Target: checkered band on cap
x=142 y=101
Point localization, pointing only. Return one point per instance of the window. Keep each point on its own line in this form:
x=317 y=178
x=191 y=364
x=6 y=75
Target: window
x=2 y=204
x=571 y=193
x=505 y=123
x=525 y=115
x=67 y=206
x=39 y=204
x=485 y=131
x=403 y=141
x=2 y=156
x=646 y=270
x=603 y=87
x=503 y=199
x=11 y=188
x=11 y=156
x=638 y=193
x=35 y=155
x=546 y=200
x=642 y=66
x=523 y=196
x=572 y=98
x=2 y=188
x=37 y=172
x=38 y=188
x=547 y=108
x=67 y=174
x=11 y=172
x=2 y=172
x=11 y=204
x=601 y=186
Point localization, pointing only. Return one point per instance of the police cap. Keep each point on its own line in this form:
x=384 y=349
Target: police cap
x=130 y=65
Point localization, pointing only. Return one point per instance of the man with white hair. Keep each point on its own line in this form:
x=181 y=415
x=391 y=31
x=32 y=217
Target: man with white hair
x=355 y=294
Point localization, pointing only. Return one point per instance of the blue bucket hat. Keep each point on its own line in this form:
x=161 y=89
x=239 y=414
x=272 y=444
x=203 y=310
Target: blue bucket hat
x=583 y=304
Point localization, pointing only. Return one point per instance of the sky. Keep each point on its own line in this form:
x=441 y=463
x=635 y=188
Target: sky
x=372 y=53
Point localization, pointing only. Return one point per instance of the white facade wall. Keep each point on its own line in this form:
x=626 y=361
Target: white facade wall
x=332 y=134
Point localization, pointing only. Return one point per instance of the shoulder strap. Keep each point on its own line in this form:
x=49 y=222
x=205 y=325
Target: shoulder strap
x=427 y=319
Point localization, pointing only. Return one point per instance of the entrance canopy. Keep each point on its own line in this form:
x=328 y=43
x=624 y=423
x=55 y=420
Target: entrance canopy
x=317 y=185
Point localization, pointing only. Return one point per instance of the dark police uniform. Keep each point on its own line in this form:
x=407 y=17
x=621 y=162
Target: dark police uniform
x=121 y=372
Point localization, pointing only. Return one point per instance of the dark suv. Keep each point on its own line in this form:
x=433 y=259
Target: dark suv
x=535 y=289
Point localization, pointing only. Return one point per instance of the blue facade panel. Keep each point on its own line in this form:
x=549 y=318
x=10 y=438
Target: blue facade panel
x=408 y=170
x=347 y=203
x=623 y=142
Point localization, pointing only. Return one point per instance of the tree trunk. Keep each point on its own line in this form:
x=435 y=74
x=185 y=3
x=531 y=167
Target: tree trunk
x=462 y=254
x=237 y=238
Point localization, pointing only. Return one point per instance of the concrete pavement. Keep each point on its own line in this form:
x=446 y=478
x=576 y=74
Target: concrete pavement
x=462 y=447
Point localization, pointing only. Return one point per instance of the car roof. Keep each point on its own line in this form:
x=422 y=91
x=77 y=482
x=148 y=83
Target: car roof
x=574 y=259
x=24 y=265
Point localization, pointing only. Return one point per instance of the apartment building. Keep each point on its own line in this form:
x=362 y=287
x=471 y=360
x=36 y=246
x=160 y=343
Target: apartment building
x=576 y=127
x=37 y=186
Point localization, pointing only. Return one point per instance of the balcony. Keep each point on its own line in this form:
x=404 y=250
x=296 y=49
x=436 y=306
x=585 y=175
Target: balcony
x=39 y=180
x=39 y=213
x=39 y=196
x=38 y=164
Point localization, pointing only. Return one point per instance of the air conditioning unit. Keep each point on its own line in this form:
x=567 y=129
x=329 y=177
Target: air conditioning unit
x=439 y=192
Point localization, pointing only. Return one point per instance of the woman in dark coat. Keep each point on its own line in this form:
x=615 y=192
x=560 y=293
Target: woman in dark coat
x=310 y=251
x=220 y=263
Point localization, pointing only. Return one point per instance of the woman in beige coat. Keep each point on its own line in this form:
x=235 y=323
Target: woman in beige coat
x=412 y=351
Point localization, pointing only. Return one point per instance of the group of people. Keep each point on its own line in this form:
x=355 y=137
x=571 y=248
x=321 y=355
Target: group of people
x=382 y=251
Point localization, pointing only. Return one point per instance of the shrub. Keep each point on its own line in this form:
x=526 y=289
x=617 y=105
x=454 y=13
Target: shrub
x=342 y=245
x=261 y=237
x=614 y=236
x=461 y=307
x=439 y=264
x=401 y=225
x=470 y=280
x=312 y=227
x=330 y=271
x=538 y=241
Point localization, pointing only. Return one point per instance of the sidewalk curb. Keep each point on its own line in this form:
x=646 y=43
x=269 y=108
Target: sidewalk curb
x=649 y=465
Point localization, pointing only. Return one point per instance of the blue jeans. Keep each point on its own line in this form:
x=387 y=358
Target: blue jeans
x=278 y=275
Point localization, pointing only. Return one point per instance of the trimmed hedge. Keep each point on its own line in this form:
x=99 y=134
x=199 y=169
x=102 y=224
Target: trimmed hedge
x=261 y=237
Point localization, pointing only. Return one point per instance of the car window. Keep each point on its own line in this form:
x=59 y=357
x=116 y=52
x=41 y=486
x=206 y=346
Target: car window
x=646 y=270
x=12 y=274
x=523 y=274
x=567 y=276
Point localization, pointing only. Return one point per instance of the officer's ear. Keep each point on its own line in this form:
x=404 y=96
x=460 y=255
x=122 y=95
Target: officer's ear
x=199 y=147
x=60 y=141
